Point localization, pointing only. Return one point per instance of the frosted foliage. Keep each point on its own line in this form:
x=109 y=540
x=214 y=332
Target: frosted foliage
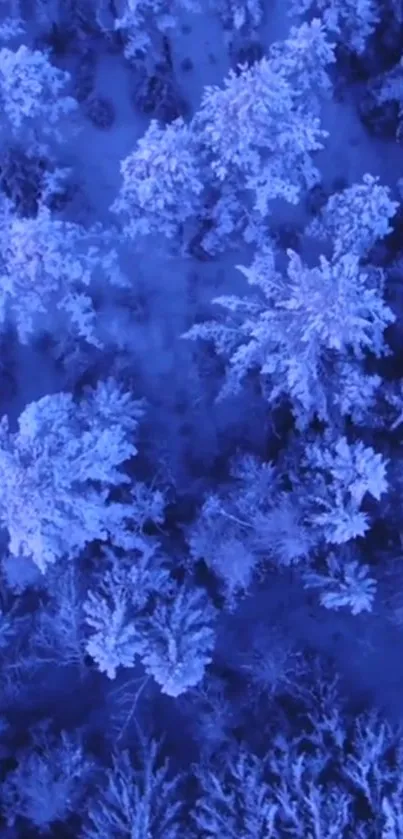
x=8 y=629
x=253 y=523
x=11 y=28
x=343 y=474
x=60 y=635
x=108 y=406
x=140 y=19
x=353 y=467
x=337 y=305
x=234 y=563
x=340 y=520
x=304 y=57
x=271 y=663
x=394 y=397
x=353 y=20
x=224 y=549
x=238 y=798
x=239 y=14
x=161 y=182
x=354 y=219
x=148 y=505
x=46 y=785
x=269 y=517
x=179 y=641
x=32 y=94
x=355 y=392
x=254 y=131
x=115 y=642
x=229 y=217
x=389 y=86
x=287 y=330
x=256 y=480
x=307 y=805
x=114 y=607
x=48 y=265
x=281 y=533
x=392 y=811
x=368 y=765
x=344 y=584
x=57 y=471
x=135 y=803
x=223 y=540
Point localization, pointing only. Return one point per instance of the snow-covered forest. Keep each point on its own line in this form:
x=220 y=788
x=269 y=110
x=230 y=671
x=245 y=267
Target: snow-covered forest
x=201 y=419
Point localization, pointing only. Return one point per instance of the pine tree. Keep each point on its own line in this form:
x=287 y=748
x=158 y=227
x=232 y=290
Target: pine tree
x=35 y=106
x=58 y=469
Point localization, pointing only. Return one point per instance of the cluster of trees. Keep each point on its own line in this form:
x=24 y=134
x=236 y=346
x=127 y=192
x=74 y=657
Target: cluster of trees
x=122 y=711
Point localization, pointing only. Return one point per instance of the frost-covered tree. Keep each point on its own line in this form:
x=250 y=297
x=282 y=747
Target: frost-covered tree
x=59 y=637
x=58 y=469
x=342 y=474
x=261 y=131
x=49 y=266
x=115 y=642
x=225 y=548
x=238 y=16
x=254 y=136
x=278 y=795
x=307 y=804
x=354 y=219
x=258 y=133
x=251 y=522
x=236 y=801
x=343 y=583
x=113 y=608
x=48 y=783
x=387 y=89
x=355 y=392
x=136 y=802
x=303 y=57
x=370 y=767
x=352 y=466
x=162 y=182
x=294 y=327
x=212 y=715
x=136 y=611
x=145 y=22
x=311 y=785
x=352 y=21
x=178 y=641
x=34 y=103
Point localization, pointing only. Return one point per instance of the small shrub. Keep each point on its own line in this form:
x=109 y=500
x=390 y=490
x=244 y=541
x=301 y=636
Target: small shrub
x=100 y=111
